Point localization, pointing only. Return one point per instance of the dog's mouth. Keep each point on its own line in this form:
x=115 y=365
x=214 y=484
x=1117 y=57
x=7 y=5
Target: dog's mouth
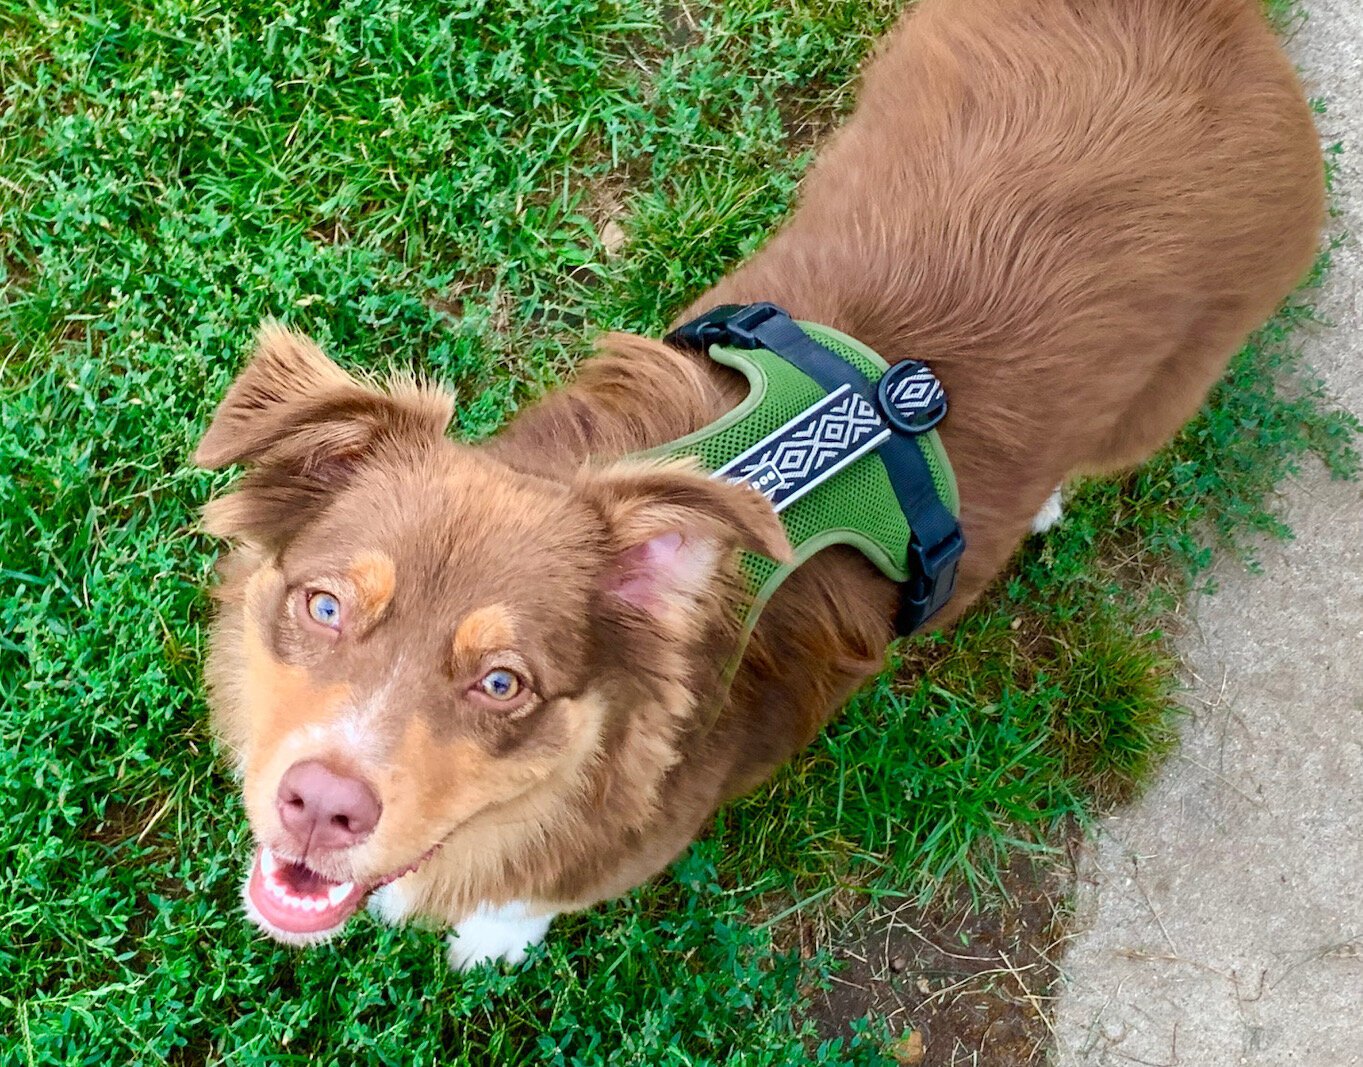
x=295 y=904
x=293 y=899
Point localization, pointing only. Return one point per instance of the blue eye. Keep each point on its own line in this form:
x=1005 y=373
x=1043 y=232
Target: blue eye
x=500 y=684
x=324 y=608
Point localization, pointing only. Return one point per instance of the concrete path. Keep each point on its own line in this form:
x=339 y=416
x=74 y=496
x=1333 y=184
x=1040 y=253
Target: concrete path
x=1222 y=915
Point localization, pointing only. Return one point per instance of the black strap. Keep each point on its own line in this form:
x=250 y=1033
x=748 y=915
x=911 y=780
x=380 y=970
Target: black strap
x=935 y=543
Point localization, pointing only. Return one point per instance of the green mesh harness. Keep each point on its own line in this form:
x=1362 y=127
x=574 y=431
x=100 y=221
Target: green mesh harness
x=842 y=445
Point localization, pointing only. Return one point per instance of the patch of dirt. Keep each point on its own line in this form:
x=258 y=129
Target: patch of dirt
x=120 y=823
x=810 y=113
x=959 y=984
x=681 y=30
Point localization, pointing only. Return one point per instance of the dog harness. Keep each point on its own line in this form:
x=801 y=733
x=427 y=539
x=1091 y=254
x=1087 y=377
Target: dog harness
x=843 y=446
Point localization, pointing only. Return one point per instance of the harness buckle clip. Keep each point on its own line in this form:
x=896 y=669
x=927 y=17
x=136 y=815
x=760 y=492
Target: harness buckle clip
x=932 y=580
x=728 y=324
x=742 y=324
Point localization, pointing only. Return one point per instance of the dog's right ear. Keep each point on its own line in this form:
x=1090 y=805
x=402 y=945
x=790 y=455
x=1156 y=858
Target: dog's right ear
x=303 y=426
x=286 y=371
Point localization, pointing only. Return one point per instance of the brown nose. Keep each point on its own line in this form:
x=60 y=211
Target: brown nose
x=323 y=809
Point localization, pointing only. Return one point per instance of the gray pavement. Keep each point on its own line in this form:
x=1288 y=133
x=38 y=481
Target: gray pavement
x=1220 y=918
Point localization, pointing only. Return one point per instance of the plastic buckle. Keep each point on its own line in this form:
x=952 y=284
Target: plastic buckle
x=911 y=398
x=743 y=322
x=933 y=580
x=728 y=324
x=704 y=330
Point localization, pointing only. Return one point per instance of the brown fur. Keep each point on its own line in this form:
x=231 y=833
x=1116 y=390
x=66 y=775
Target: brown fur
x=1074 y=210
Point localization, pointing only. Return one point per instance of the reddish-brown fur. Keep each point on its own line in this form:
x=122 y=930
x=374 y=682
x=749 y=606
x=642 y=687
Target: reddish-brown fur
x=1074 y=210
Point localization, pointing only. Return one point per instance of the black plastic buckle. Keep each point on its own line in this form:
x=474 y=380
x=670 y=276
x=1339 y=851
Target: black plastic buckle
x=702 y=331
x=742 y=323
x=728 y=324
x=932 y=580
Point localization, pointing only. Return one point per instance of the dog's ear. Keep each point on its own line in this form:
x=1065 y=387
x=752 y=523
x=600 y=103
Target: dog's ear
x=672 y=529
x=303 y=426
x=293 y=405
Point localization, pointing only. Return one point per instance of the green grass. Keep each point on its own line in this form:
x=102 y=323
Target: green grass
x=422 y=185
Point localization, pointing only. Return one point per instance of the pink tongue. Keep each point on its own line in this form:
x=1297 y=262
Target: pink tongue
x=297 y=900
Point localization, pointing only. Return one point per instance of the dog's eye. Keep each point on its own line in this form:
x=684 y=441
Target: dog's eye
x=324 y=608
x=500 y=684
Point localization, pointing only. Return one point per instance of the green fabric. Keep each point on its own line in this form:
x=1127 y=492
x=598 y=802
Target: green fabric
x=856 y=507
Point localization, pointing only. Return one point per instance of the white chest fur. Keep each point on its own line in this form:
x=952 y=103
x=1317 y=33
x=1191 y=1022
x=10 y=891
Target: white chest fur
x=491 y=933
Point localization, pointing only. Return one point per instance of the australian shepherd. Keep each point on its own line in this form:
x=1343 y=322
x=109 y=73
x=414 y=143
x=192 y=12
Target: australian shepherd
x=484 y=685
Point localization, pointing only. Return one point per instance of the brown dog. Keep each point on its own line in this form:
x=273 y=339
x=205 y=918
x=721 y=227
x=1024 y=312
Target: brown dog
x=482 y=681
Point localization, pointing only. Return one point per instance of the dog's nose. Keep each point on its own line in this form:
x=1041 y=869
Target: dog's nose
x=323 y=809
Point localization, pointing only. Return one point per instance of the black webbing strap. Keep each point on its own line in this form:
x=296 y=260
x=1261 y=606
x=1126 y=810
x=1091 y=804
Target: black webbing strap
x=935 y=542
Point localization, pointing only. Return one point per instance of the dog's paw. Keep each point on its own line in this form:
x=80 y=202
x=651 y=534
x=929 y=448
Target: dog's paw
x=497 y=933
x=1051 y=512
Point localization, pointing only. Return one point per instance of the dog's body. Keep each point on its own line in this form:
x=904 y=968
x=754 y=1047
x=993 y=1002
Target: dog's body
x=1073 y=210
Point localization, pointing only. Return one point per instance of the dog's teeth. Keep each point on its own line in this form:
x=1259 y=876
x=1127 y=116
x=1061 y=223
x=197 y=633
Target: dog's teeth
x=268 y=864
x=338 y=893
x=276 y=888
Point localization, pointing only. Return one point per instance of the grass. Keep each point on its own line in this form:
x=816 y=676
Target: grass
x=424 y=185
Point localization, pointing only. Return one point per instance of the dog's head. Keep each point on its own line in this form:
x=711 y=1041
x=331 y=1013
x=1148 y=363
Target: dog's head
x=416 y=636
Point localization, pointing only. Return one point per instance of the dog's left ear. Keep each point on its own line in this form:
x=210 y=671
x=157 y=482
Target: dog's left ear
x=672 y=529
x=303 y=426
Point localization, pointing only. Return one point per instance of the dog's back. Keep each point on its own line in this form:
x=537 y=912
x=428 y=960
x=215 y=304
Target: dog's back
x=1076 y=210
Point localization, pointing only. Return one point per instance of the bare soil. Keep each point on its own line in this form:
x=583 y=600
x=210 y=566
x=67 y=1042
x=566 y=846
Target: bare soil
x=974 y=980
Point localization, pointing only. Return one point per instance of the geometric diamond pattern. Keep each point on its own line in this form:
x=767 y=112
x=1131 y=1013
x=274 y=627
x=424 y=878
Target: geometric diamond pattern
x=812 y=447
x=915 y=393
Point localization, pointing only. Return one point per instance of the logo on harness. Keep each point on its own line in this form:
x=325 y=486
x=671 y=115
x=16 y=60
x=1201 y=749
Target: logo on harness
x=764 y=477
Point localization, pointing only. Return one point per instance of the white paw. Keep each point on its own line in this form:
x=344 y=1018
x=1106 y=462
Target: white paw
x=497 y=933
x=389 y=904
x=1050 y=513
